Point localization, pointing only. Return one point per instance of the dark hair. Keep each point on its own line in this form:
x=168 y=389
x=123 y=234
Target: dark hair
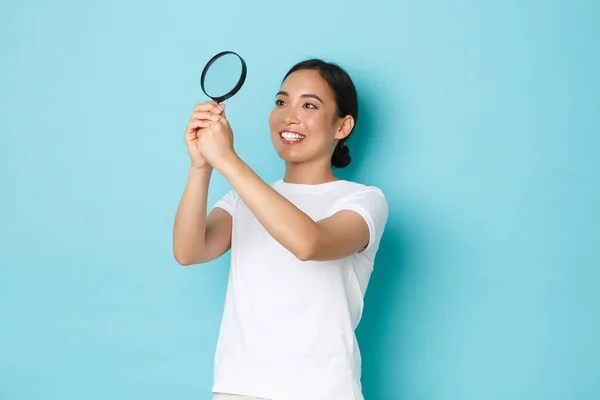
x=345 y=97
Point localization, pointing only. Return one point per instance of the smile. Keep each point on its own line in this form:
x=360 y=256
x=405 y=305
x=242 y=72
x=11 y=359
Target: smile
x=291 y=137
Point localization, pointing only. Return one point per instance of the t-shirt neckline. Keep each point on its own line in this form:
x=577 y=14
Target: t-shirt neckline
x=303 y=188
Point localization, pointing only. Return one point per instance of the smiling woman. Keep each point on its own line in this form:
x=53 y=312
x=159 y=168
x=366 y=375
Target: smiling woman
x=296 y=289
x=322 y=96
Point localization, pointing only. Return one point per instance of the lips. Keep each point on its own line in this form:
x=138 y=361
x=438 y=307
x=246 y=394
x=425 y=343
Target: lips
x=290 y=137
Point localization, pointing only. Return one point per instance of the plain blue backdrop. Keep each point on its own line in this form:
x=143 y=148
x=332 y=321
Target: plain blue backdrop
x=479 y=120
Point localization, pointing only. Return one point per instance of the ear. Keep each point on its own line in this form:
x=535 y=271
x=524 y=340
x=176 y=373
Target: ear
x=345 y=127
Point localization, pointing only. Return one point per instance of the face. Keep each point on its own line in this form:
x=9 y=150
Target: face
x=304 y=123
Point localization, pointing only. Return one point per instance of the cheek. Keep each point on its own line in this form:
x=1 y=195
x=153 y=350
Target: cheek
x=318 y=123
x=274 y=120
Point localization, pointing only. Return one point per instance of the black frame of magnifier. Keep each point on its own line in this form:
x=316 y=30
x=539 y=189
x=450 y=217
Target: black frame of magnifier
x=236 y=88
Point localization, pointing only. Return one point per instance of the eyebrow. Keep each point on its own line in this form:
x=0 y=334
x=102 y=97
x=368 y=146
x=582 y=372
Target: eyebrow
x=306 y=95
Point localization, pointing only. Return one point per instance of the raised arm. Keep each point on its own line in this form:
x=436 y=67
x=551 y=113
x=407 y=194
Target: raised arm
x=338 y=236
x=198 y=238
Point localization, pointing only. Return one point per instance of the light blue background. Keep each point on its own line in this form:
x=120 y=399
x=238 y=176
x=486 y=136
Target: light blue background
x=478 y=120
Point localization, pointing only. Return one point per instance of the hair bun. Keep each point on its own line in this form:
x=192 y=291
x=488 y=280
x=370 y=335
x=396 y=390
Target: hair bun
x=345 y=150
x=341 y=156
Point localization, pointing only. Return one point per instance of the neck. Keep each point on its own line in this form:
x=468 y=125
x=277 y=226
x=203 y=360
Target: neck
x=309 y=173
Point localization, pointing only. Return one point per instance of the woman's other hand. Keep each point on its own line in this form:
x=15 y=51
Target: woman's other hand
x=202 y=118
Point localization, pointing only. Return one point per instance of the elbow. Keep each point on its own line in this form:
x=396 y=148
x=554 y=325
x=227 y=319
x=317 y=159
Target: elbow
x=184 y=259
x=185 y=262
x=304 y=256
x=307 y=250
x=186 y=255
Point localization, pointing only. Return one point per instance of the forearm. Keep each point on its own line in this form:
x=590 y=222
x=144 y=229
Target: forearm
x=190 y=221
x=287 y=224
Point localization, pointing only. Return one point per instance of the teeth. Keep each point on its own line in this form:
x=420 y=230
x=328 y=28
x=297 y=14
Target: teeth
x=292 y=136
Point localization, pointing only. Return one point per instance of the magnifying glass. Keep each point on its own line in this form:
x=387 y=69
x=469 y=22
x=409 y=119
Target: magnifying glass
x=223 y=76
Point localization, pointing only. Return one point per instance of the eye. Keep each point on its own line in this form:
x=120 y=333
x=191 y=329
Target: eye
x=310 y=105
x=279 y=102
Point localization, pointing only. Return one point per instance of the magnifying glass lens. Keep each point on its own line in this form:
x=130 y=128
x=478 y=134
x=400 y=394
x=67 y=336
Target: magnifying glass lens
x=223 y=76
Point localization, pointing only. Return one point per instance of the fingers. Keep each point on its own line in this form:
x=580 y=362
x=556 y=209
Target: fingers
x=198 y=124
x=209 y=106
x=194 y=126
x=206 y=106
x=204 y=115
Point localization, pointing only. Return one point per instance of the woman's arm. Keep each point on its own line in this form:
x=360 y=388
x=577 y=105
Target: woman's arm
x=338 y=236
x=196 y=237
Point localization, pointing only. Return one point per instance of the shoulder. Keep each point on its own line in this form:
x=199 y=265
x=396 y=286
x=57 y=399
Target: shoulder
x=359 y=191
x=228 y=202
x=368 y=201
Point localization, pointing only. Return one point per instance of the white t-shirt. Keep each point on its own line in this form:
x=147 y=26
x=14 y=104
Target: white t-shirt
x=288 y=327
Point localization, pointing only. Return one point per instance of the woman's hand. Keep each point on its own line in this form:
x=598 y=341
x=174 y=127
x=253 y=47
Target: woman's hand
x=216 y=143
x=203 y=116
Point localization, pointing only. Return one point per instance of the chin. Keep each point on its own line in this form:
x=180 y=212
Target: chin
x=289 y=158
x=292 y=154
x=283 y=151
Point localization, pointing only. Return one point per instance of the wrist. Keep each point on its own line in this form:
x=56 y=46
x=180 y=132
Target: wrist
x=229 y=164
x=202 y=169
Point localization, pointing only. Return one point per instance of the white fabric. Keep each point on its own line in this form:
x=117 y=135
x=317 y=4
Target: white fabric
x=287 y=331
x=225 y=396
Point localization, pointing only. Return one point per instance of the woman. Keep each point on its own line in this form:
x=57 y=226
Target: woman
x=302 y=248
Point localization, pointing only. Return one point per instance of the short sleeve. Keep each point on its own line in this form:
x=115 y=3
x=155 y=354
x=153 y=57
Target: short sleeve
x=228 y=202
x=371 y=204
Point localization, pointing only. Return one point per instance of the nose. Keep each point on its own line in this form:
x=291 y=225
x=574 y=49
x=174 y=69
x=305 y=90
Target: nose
x=291 y=117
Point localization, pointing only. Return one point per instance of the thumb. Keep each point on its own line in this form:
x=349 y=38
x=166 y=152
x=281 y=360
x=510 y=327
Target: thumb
x=223 y=111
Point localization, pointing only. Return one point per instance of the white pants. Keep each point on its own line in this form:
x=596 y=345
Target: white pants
x=225 y=396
